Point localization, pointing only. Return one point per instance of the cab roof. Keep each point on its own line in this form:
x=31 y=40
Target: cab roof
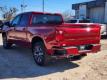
x=33 y=12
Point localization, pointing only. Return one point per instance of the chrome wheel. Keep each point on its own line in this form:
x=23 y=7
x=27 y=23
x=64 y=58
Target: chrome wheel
x=38 y=54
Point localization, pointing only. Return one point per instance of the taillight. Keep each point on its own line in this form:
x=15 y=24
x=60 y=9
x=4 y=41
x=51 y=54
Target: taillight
x=59 y=35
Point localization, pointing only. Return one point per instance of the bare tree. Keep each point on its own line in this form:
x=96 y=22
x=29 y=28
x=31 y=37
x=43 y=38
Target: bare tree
x=8 y=13
x=67 y=15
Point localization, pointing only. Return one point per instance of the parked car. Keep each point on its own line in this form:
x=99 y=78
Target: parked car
x=49 y=37
x=103 y=31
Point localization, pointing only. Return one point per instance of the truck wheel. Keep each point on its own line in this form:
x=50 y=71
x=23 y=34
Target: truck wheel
x=6 y=45
x=39 y=53
x=84 y=54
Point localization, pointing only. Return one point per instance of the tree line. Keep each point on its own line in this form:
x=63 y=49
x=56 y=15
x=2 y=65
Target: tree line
x=8 y=13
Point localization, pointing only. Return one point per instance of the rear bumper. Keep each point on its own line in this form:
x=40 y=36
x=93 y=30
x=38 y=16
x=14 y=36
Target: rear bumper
x=72 y=51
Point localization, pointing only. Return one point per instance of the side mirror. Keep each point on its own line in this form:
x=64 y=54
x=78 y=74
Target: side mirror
x=7 y=24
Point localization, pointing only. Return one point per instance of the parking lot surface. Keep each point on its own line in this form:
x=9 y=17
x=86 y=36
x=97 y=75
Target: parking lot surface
x=17 y=63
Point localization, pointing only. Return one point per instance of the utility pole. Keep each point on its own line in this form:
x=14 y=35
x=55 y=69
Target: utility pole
x=23 y=6
x=43 y=5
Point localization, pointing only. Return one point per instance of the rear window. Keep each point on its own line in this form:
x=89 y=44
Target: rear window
x=72 y=21
x=78 y=21
x=46 y=19
x=84 y=21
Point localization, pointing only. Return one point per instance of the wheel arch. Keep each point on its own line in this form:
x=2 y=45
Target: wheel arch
x=37 y=39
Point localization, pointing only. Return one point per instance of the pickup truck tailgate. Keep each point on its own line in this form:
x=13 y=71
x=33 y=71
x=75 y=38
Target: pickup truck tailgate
x=79 y=34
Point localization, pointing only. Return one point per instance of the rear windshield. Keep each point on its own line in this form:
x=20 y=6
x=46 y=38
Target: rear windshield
x=78 y=21
x=46 y=19
x=84 y=21
x=72 y=21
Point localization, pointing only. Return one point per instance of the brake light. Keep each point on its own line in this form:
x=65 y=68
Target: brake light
x=59 y=35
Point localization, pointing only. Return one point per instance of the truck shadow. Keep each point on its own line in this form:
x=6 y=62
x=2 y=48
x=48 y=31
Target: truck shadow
x=18 y=63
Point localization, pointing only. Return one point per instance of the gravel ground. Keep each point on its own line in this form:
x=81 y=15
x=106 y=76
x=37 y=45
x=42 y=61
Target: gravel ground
x=18 y=63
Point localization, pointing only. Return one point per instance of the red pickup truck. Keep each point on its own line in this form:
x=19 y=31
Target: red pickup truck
x=48 y=36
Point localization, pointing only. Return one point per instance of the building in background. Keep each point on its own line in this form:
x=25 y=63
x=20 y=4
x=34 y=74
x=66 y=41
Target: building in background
x=95 y=10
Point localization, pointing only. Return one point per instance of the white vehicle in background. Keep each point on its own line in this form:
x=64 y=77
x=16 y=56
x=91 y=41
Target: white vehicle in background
x=103 y=29
x=79 y=21
x=87 y=21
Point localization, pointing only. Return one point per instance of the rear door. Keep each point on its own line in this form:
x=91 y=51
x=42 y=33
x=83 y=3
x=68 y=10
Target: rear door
x=21 y=29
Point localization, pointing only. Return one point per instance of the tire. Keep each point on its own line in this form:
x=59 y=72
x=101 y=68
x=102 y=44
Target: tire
x=84 y=54
x=6 y=44
x=77 y=57
x=39 y=53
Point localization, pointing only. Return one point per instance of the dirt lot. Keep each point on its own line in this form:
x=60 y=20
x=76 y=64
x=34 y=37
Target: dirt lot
x=17 y=63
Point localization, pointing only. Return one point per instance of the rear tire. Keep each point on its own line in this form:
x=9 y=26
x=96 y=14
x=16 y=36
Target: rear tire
x=77 y=57
x=6 y=44
x=39 y=53
x=84 y=54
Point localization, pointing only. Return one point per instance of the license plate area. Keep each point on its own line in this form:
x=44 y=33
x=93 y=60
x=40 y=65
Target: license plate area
x=85 y=47
x=81 y=48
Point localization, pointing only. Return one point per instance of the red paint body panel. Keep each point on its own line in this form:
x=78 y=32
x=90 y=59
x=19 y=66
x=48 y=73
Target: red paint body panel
x=73 y=51
x=57 y=35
